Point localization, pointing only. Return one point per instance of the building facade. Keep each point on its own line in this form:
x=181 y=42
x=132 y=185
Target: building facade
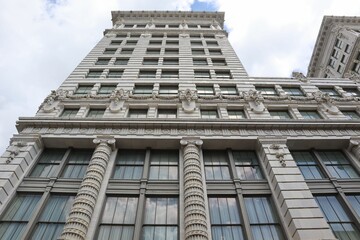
x=337 y=50
x=159 y=133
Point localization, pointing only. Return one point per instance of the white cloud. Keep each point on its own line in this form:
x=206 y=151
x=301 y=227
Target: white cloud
x=43 y=41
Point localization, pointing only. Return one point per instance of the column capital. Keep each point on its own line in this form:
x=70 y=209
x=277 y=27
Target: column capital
x=194 y=141
x=109 y=140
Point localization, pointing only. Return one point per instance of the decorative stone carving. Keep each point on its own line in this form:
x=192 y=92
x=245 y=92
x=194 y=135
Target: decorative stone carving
x=280 y=156
x=194 y=197
x=299 y=76
x=255 y=100
x=14 y=150
x=52 y=100
x=77 y=223
x=352 y=76
x=327 y=103
x=188 y=98
x=354 y=147
x=117 y=100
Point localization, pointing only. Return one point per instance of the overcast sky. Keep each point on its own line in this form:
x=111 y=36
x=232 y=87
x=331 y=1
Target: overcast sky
x=42 y=41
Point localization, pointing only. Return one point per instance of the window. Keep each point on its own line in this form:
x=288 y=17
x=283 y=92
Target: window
x=110 y=51
x=197 y=51
x=192 y=26
x=143 y=89
x=199 y=61
x=160 y=25
x=170 y=74
x=131 y=42
x=171 y=61
x=342 y=59
x=102 y=61
x=307 y=164
x=268 y=91
x=352 y=91
x=280 y=114
x=215 y=52
x=161 y=219
x=115 y=73
x=173 y=25
x=219 y=62
x=155 y=35
x=172 y=43
x=128 y=26
x=172 y=36
x=225 y=219
x=168 y=89
x=15 y=219
x=195 y=35
x=69 y=112
x=228 y=90
x=209 y=114
x=127 y=51
x=209 y=36
x=355 y=203
x=338 y=43
x=332 y=62
x=247 y=165
x=293 y=91
x=351 y=115
x=347 y=48
x=94 y=74
x=115 y=42
x=164 y=165
x=356 y=68
x=204 y=26
x=212 y=43
x=335 y=54
x=141 y=25
x=223 y=74
x=236 y=114
x=118 y=218
x=153 y=51
x=138 y=113
x=263 y=219
x=171 y=51
x=167 y=113
x=121 y=61
x=155 y=42
x=338 y=219
x=147 y=74
x=53 y=217
x=340 y=69
x=337 y=164
x=84 y=89
x=310 y=115
x=150 y=61
x=129 y=164
x=201 y=74
x=196 y=43
x=205 y=90
x=77 y=164
x=216 y=165
x=106 y=89
x=48 y=163
x=121 y=35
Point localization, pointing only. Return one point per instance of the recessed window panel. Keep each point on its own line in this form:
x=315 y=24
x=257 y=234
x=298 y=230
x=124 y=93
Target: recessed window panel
x=48 y=163
x=337 y=164
x=247 y=165
x=216 y=165
x=307 y=164
x=77 y=164
x=164 y=165
x=129 y=164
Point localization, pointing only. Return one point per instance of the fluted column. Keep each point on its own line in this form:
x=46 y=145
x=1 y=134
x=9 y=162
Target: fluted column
x=77 y=223
x=195 y=215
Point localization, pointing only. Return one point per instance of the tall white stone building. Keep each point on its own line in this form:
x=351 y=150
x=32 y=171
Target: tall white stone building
x=337 y=50
x=159 y=133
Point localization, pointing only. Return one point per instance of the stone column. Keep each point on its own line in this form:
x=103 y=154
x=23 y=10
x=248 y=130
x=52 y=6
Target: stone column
x=77 y=223
x=301 y=214
x=195 y=214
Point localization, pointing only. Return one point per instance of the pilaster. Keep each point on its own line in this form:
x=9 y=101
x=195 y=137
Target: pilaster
x=302 y=217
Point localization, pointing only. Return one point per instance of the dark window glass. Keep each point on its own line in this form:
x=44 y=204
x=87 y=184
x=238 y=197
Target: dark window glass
x=155 y=42
x=215 y=52
x=110 y=51
x=81 y=90
x=280 y=114
x=164 y=165
x=48 y=163
x=351 y=115
x=129 y=164
x=223 y=74
x=330 y=91
x=143 y=89
x=209 y=114
x=106 y=89
x=16 y=217
x=268 y=91
x=115 y=42
x=96 y=113
x=355 y=203
x=293 y=91
x=199 y=61
x=121 y=61
x=127 y=51
x=168 y=89
x=310 y=115
x=171 y=61
x=219 y=62
x=216 y=165
x=138 y=113
x=115 y=74
x=263 y=219
x=307 y=164
x=201 y=74
x=147 y=74
x=53 y=218
x=77 y=164
x=171 y=51
x=197 y=51
x=338 y=219
x=167 y=113
x=225 y=219
x=205 y=90
x=196 y=43
x=170 y=74
x=94 y=74
x=236 y=114
x=150 y=61
x=161 y=219
x=69 y=112
x=102 y=61
x=247 y=165
x=337 y=164
x=352 y=91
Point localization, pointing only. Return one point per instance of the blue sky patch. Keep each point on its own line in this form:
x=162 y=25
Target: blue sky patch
x=203 y=6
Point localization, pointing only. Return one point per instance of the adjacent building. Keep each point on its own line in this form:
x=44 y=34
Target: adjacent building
x=337 y=49
x=159 y=133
